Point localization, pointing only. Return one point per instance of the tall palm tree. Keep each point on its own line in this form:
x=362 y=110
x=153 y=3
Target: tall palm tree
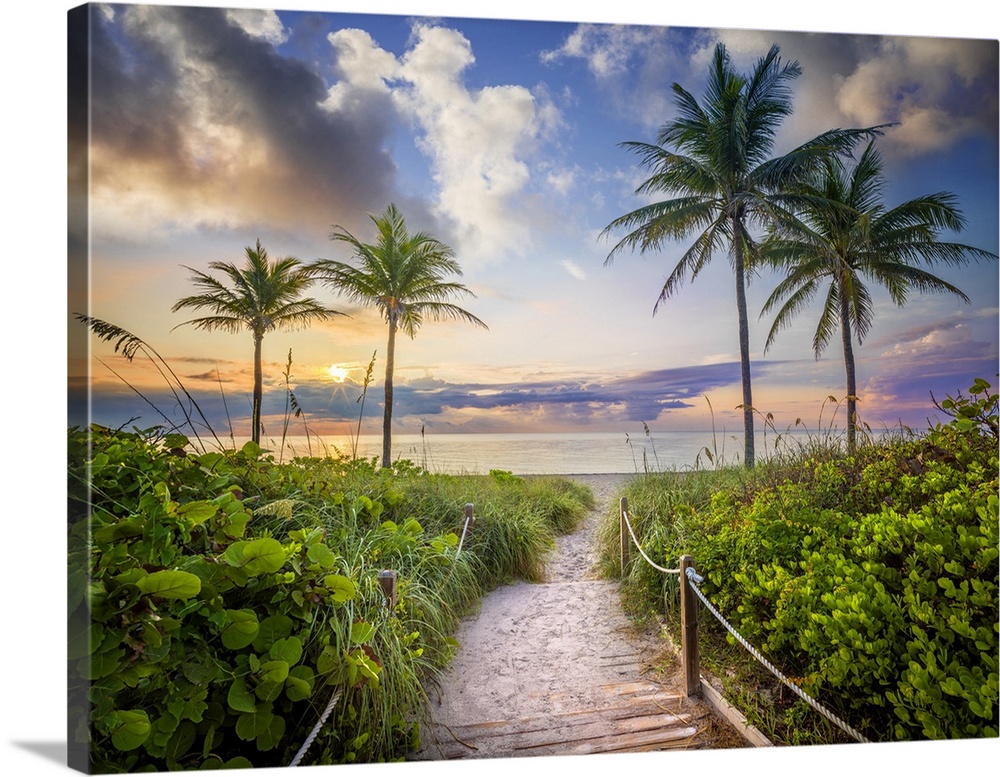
x=402 y=276
x=261 y=296
x=844 y=236
x=714 y=160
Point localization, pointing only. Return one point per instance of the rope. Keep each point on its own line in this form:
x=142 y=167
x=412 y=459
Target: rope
x=642 y=552
x=694 y=579
x=319 y=724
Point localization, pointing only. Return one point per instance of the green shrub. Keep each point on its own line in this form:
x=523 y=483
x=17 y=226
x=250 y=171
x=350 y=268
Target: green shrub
x=871 y=578
x=218 y=600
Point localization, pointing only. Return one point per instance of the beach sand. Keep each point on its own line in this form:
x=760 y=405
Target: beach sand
x=538 y=649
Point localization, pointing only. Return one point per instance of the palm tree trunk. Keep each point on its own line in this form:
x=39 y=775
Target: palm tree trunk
x=744 y=326
x=387 y=415
x=852 y=379
x=258 y=387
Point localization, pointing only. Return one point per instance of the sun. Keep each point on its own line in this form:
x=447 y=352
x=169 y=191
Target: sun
x=338 y=373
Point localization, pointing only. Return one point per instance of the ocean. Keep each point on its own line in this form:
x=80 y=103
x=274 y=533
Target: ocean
x=589 y=453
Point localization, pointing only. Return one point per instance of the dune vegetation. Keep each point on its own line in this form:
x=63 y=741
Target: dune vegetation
x=220 y=600
x=868 y=578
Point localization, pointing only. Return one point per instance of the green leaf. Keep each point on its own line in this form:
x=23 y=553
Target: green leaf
x=239 y=762
x=239 y=698
x=183 y=739
x=256 y=557
x=299 y=684
x=288 y=650
x=240 y=630
x=328 y=660
x=274 y=671
x=175 y=441
x=132 y=730
x=272 y=629
x=170 y=584
x=322 y=555
x=251 y=725
x=196 y=513
x=272 y=736
x=342 y=588
x=361 y=632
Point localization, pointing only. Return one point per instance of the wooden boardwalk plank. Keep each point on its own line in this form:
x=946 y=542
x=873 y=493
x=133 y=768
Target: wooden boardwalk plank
x=635 y=716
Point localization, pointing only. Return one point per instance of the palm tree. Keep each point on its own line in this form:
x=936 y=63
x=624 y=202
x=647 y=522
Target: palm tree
x=714 y=160
x=402 y=276
x=261 y=296
x=845 y=236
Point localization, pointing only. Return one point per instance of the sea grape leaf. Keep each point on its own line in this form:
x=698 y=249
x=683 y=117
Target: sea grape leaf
x=170 y=584
x=322 y=555
x=195 y=513
x=269 y=690
x=299 y=684
x=272 y=629
x=361 y=632
x=256 y=557
x=274 y=671
x=175 y=440
x=341 y=588
x=288 y=650
x=328 y=660
x=251 y=449
x=183 y=739
x=239 y=762
x=132 y=730
x=273 y=735
x=260 y=725
x=240 y=699
x=240 y=630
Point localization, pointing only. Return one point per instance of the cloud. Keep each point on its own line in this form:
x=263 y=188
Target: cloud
x=477 y=140
x=632 y=65
x=574 y=269
x=934 y=88
x=596 y=401
x=365 y=71
x=259 y=23
x=938 y=90
x=197 y=123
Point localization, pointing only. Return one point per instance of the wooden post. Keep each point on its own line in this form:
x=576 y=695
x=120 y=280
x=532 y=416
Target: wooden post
x=387 y=579
x=624 y=539
x=689 y=631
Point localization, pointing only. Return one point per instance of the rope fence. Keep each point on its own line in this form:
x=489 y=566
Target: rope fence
x=690 y=592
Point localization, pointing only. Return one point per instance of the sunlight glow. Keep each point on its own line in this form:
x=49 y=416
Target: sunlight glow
x=338 y=373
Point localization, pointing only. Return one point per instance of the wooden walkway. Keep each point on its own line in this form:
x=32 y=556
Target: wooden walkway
x=636 y=717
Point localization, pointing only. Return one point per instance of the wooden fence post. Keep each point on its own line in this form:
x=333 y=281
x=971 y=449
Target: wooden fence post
x=387 y=580
x=689 y=631
x=623 y=534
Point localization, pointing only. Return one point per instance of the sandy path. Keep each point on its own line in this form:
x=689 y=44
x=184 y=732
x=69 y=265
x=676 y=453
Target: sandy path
x=539 y=649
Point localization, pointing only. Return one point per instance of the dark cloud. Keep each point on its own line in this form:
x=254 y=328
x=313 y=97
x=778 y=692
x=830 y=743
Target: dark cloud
x=642 y=397
x=172 y=85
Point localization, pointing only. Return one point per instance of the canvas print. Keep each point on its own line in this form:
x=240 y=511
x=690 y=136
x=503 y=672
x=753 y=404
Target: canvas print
x=468 y=389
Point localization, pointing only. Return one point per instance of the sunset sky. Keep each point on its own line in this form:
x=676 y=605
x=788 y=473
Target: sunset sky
x=213 y=128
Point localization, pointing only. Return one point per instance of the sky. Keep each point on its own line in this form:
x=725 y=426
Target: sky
x=35 y=331
x=213 y=128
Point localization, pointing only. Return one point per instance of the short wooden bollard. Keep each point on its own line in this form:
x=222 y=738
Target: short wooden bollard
x=387 y=580
x=689 y=630
x=623 y=534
